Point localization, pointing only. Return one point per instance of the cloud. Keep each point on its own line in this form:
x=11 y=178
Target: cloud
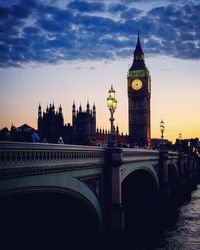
x=131 y=13
x=117 y=7
x=37 y=31
x=84 y=6
x=4 y=12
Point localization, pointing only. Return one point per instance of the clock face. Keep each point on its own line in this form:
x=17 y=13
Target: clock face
x=136 y=84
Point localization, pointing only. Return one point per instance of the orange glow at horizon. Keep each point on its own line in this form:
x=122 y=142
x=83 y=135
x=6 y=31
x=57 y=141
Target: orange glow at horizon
x=175 y=93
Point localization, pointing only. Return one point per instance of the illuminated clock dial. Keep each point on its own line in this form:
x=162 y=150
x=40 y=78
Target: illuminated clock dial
x=136 y=84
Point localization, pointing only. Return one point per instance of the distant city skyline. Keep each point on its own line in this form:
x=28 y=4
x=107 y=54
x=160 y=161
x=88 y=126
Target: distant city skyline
x=72 y=51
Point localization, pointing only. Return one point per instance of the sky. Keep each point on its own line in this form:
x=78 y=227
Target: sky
x=65 y=51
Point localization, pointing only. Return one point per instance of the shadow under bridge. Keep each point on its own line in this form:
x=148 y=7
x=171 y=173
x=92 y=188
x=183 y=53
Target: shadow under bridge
x=140 y=201
x=45 y=216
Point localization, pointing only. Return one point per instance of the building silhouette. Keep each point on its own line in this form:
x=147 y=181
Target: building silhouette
x=84 y=124
x=52 y=129
x=50 y=124
x=139 y=94
x=82 y=131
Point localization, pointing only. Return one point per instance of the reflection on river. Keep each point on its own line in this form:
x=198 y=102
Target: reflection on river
x=181 y=232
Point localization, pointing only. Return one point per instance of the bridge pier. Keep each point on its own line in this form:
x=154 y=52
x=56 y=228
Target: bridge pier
x=113 y=211
x=183 y=176
x=163 y=179
x=181 y=170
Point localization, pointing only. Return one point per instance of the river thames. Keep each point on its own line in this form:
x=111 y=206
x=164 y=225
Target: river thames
x=181 y=232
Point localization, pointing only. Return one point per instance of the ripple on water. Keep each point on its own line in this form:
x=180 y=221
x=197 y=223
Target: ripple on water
x=181 y=234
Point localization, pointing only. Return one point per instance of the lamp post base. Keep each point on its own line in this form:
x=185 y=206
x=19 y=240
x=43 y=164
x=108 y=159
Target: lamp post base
x=112 y=143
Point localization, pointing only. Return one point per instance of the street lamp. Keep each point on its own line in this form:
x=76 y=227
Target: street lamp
x=180 y=138
x=162 y=128
x=180 y=141
x=112 y=105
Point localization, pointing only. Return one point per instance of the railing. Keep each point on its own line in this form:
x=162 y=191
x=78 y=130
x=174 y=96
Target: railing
x=17 y=154
x=135 y=155
x=173 y=155
x=26 y=158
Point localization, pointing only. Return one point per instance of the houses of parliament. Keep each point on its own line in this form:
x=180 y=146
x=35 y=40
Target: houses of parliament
x=51 y=126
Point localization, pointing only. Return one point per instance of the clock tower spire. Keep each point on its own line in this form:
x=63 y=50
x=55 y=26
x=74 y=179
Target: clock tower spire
x=139 y=94
x=138 y=60
x=138 y=49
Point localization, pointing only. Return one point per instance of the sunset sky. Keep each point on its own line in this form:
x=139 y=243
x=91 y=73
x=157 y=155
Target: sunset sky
x=64 y=51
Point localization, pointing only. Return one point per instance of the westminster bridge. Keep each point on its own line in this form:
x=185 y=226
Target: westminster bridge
x=83 y=190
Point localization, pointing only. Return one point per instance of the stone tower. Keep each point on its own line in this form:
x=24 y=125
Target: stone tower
x=50 y=124
x=84 y=124
x=139 y=95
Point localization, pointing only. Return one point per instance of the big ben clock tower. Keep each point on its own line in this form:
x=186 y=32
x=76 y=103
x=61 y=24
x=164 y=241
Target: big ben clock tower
x=139 y=95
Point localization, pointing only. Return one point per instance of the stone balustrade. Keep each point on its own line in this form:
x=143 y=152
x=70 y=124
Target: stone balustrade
x=15 y=157
x=134 y=155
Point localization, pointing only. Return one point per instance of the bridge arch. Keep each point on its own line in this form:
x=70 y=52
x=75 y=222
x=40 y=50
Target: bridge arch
x=140 y=199
x=149 y=169
x=173 y=180
x=186 y=169
x=40 y=209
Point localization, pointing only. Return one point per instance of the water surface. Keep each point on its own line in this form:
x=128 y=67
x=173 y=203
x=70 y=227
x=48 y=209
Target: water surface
x=181 y=231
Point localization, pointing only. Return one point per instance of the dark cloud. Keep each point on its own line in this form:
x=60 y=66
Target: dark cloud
x=4 y=12
x=20 y=11
x=34 y=31
x=131 y=13
x=84 y=6
x=178 y=28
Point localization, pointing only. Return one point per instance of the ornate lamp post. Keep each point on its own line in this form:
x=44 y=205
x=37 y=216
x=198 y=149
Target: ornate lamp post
x=162 y=129
x=180 y=141
x=112 y=105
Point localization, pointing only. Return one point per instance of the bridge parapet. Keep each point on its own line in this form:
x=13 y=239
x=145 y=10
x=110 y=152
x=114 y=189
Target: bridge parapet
x=15 y=155
x=136 y=155
x=173 y=155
